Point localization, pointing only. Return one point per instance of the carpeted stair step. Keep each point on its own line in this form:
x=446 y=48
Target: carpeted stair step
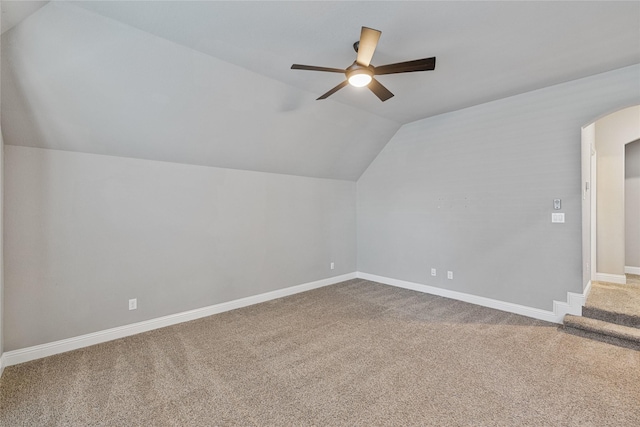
x=599 y=327
x=624 y=319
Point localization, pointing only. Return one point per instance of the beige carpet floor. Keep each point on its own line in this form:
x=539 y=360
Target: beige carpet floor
x=624 y=299
x=633 y=279
x=356 y=353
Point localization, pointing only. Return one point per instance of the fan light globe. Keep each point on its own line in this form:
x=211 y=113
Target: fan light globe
x=359 y=79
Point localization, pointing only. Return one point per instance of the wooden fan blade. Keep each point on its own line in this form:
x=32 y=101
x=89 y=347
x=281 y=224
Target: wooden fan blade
x=380 y=91
x=368 y=42
x=426 y=64
x=334 y=90
x=314 y=68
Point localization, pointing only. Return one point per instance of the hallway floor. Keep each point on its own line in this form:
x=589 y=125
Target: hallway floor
x=624 y=299
x=611 y=314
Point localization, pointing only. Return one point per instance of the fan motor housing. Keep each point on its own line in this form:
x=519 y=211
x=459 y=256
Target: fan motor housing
x=356 y=68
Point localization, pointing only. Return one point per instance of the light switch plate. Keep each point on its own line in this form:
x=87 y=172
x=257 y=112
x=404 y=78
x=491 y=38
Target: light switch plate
x=557 y=217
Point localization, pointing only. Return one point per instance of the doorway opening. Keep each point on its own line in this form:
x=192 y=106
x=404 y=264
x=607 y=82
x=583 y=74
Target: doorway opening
x=611 y=224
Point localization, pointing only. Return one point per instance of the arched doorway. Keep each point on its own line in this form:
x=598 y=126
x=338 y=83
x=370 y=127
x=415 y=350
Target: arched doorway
x=612 y=309
x=603 y=207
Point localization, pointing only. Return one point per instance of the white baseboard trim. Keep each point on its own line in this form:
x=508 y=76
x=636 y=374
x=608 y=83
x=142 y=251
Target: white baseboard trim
x=1 y=364
x=574 y=304
x=632 y=270
x=14 y=357
x=560 y=309
x=620 y=279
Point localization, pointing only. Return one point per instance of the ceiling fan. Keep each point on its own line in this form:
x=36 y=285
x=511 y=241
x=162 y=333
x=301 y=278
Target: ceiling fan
x=361 y=73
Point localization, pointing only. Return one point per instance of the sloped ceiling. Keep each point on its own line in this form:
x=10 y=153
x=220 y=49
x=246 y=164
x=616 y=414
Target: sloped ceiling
x=17 y=11
x=209 y=83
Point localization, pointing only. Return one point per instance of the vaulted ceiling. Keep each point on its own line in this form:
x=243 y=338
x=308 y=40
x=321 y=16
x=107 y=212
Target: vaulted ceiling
x=209 y=83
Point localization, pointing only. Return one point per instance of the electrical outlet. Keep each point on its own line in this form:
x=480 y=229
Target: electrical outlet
x=332 y=266
x=450 y=275
x=433 y=271
x=133 y=304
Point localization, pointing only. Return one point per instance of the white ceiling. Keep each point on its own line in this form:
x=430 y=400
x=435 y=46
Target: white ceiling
x=485 y=50
x=16 y=11
x=210 y=82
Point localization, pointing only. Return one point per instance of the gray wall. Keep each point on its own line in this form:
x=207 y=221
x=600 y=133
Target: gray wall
x=632 y=204
x=1 y=244
x=471 y=191
x=86 y=232
x=1 y=229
